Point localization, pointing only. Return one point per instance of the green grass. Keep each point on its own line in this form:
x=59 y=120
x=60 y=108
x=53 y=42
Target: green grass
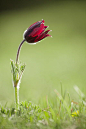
x=62 y=113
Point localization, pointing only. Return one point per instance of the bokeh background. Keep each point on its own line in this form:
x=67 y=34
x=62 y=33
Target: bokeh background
x=50 y=63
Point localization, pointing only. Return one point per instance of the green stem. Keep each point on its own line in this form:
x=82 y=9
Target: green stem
x=16 y=97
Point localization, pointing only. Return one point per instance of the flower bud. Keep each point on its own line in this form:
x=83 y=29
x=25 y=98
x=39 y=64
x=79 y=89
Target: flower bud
x=36 y=32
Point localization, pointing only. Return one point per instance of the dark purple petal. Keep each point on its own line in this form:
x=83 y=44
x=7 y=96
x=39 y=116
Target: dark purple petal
x=31 y=39
x=31 y=28
x=42 y=36
x=36 y=32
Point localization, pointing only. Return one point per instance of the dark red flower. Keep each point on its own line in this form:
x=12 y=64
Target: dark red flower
x=36 y=32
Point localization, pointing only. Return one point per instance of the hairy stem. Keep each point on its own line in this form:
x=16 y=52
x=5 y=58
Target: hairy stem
x=19 y=50
x=16 y=97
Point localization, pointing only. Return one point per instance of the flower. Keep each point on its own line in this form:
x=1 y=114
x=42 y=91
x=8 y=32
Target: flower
x=76 y=113
x=36 y=32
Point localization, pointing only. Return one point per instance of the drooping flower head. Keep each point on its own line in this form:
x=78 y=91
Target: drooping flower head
x=36 y=32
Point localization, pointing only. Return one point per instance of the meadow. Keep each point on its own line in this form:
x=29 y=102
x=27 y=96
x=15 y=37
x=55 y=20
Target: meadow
x=53 y=66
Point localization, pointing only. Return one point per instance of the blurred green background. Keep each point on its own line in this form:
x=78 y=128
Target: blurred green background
x=60 y=59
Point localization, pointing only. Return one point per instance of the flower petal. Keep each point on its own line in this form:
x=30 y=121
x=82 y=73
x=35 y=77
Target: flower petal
x=31 y=28
x=37 y=30
x=42 y=36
